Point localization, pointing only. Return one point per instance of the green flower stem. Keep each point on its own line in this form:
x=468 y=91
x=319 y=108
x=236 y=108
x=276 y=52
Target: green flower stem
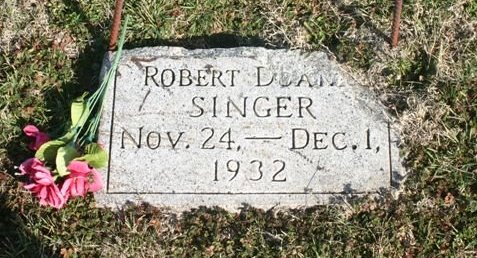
x=95 y=102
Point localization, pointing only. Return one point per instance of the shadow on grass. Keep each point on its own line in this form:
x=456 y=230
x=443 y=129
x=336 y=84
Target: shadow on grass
x=219 y=40
x=16 y=240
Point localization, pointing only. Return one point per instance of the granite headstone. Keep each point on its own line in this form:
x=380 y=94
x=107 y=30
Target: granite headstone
x=242 y=126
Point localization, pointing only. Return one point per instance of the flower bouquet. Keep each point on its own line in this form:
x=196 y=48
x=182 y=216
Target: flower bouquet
x=65 y=167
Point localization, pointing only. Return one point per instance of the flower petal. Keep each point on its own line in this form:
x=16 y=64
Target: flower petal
x=29 y=187
x=55 y=198
x=73 y=187
x=38 y=166
x=65 y=188
x=26 y=166
x=43 y=193
x=97 y=183
x=45 y=181
x=78 y=167
x=80 y=186
x=31 y=130
x=43 y=178
x=40 y=139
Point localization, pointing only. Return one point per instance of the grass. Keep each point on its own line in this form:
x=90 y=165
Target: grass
x=51 y=51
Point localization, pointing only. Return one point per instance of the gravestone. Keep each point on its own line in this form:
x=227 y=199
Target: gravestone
x=242 y=126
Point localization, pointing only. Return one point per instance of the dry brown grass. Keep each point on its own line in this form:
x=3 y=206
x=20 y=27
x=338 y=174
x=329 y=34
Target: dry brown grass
x=21 y=21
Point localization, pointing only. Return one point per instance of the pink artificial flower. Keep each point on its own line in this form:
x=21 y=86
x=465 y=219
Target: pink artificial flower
x=30 y=166
x=42 y=183
x=82 y=179
x=40 y=137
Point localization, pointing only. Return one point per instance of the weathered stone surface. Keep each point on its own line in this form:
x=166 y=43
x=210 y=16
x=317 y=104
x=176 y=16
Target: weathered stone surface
x=239 y=126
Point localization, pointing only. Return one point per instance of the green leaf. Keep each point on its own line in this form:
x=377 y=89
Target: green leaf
x=64 y=156
x=47 y=151
x=95 y=156
x=68 y=137
x=79 y=111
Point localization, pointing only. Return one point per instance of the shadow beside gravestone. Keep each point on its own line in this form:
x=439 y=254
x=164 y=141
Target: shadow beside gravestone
x=16 y=239
x=219 y=40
